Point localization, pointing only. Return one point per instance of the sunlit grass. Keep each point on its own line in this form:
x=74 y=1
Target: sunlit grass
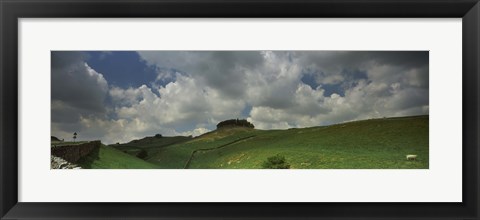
x=368 y=144
x=110 y=158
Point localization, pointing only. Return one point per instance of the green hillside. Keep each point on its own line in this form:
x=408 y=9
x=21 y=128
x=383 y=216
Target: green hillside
x=107 y=157
x=149 y=145
x=176 y=156
x=369 y=144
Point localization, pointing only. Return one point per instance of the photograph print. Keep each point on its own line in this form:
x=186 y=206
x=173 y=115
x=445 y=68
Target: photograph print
x=239 y=110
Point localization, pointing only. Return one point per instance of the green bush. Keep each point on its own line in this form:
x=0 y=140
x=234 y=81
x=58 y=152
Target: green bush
x=276 y=162
x=142 y=154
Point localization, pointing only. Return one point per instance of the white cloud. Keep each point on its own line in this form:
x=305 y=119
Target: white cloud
x=274 y=90
x=178 y=106
x=196 y=90
x=196 y=132
x=111 y=131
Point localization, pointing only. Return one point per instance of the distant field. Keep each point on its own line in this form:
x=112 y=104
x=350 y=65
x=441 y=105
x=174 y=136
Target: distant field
x=62 y=143
x=149 y=145
x=369 y=144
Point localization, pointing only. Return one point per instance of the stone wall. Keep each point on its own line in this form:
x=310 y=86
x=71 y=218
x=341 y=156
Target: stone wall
x=73 y=153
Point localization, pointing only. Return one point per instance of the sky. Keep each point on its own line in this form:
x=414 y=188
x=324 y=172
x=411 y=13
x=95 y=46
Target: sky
x=118 y=96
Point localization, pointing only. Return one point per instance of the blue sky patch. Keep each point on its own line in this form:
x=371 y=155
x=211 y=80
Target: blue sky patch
x=333 y=88
x=309 y=79
x=122 y=68
x=246 y=111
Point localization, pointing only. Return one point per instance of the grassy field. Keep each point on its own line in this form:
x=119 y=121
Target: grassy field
x=107 y=157
x=62 y=143
x=177 y=156
x=369 y=144
x=149 y=145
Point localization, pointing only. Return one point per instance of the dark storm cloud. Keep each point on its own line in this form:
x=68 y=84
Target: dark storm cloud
x=355 y=59
x=407 y=59
x=76 y=88
x=347 y=63
x=63 y=59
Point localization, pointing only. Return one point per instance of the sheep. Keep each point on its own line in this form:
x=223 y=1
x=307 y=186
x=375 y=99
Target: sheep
x=411 y=157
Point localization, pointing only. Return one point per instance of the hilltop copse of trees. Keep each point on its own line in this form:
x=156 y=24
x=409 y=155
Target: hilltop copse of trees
x=235 y=123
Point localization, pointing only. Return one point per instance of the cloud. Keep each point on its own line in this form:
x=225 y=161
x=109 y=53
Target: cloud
x=77 y=89
x=181 y=105
x=75 y=84
x=273 y=84
x=220 y=70
x=193 y=91
x=111 y=131
x=196 y=132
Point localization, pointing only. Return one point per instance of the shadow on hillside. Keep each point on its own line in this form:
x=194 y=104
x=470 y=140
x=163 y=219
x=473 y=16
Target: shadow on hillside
x=86 y=162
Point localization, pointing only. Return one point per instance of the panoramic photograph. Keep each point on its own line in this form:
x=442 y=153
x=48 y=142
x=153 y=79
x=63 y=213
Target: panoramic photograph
x=239 y=110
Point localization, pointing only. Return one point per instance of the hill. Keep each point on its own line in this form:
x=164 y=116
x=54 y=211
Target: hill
x=149 y=145
x=368 y=144
x=107 y=157
x=177 y=155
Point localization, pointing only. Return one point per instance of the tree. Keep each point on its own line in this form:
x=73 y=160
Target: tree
x=235 y=123
x=276 y=162
x=74 y=136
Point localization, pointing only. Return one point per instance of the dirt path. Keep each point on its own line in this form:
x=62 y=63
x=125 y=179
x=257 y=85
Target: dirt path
x=214 y=148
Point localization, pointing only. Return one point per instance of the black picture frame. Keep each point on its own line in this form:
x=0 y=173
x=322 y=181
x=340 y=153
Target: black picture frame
x=12 y=10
